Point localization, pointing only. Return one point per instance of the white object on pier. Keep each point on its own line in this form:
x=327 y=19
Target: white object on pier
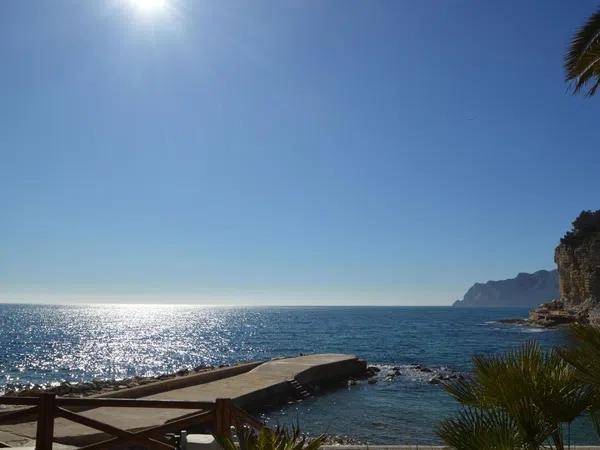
x=198 y=442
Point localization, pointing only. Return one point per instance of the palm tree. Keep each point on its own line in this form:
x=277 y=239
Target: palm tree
x=267 y=439
x=582 y=61
x=518 y=400
x=585 y=357
x=480 y=429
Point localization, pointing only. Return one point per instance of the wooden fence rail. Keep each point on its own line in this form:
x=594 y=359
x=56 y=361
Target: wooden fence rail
x=219 y=416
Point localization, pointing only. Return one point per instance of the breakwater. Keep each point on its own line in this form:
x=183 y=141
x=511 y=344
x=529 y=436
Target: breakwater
x=267 y=382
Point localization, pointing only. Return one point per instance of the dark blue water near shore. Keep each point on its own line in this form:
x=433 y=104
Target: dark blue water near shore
x=49 y=344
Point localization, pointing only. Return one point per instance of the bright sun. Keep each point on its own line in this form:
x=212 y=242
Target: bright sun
x=149 y=7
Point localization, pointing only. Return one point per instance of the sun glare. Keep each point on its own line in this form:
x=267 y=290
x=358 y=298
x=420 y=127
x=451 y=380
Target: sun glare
x=149 y=7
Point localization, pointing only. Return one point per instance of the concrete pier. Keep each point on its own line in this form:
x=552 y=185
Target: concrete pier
x=269 y=382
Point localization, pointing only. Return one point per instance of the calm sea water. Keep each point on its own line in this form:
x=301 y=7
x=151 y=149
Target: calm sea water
x=42 y=344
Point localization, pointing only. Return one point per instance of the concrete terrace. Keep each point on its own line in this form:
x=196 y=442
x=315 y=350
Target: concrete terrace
x=266 y=383
x=420 y=447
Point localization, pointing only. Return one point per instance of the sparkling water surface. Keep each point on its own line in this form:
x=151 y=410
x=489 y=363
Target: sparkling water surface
x=41 y=344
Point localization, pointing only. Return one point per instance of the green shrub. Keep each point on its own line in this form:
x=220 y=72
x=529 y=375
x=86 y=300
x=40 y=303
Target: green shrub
x=585 y=225
x=267 y=439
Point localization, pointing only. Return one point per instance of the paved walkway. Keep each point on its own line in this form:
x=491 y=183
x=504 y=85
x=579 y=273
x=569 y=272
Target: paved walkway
x=247 y=389
x=418 y=447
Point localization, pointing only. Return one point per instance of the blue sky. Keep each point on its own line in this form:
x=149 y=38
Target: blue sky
x=285 y=152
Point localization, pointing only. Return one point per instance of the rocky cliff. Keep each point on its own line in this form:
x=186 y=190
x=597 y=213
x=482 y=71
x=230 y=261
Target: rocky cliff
x=579 y=271
x=578 y=260
x=524 y=290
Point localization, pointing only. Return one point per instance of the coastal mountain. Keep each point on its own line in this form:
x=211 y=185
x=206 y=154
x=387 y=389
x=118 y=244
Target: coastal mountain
x=526 y=289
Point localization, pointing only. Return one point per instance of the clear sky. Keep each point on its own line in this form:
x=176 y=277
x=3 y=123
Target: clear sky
x=306 y=151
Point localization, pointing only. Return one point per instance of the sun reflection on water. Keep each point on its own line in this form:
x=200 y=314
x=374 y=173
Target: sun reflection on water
x=119 y=341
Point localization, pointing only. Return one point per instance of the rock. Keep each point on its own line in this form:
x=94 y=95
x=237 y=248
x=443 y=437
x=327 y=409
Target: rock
x=434 y=380
x=62 y=389
x=80 y=389
x=372 y=371
x=426 y=369
x=395 y=372
x=578 y=260
x=372 y=381
x=552 y=314
x=514 y=321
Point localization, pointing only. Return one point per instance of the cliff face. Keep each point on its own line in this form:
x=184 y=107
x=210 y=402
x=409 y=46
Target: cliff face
x=524 y=290
x=579 y=271
x=578 y=260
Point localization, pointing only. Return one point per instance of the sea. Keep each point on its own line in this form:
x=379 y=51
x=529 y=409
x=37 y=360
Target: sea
x=51 y=344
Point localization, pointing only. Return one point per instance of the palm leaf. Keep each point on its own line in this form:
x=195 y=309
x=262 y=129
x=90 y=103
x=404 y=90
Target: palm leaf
x=266 y=439
x=476 y=429
x=536 y=389
x=585 y=354
x=582 y=61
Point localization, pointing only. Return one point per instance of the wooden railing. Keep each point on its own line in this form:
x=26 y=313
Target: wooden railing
x=219 y=417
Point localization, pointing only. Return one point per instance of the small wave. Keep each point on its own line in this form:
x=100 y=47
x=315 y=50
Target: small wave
x=534 y=330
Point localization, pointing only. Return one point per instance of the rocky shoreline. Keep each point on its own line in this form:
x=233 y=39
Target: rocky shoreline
x=98 y=386
x=550 y=315
x=415 y=372
x=372 y=375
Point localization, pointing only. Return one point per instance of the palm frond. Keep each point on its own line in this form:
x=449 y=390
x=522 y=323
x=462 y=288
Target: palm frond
x=582 y=61
x=476 y=429
x=585 y=354
x=266 y=439
x=538 y=390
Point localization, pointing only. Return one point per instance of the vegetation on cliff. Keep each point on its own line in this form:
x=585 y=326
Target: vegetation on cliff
x=586 y=225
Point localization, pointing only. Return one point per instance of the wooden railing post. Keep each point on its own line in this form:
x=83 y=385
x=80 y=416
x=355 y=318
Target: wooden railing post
x=45 y=424
x=222 y=417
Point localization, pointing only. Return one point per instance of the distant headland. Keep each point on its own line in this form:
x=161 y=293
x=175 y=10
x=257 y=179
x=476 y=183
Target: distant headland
x=526 y=290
